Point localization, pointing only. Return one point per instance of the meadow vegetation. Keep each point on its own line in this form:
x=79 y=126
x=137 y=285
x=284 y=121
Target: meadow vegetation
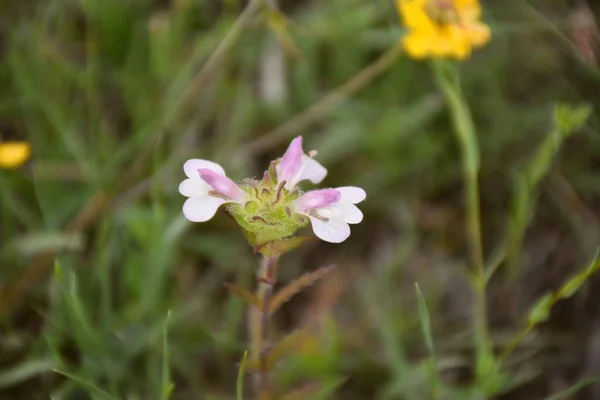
x=108 y=292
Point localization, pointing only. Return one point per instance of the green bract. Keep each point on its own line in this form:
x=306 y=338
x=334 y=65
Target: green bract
x=268 y=215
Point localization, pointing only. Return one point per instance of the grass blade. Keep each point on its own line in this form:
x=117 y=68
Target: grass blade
x=426 y=329
x=87 y=385
x=573 y=389
x=166 y=384
x=25 y=371
x=240 y=378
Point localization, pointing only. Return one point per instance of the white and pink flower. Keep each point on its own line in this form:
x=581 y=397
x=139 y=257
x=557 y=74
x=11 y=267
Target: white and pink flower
x=331 y=210
x=295 y=166
x=208 y=188
x=270 y=211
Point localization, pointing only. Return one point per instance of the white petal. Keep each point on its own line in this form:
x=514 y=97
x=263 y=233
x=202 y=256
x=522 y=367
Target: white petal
x=350 y=213
x=332 y=231
x=191 y=167
x=352 y=194
x=313 y=171
x=200 y=209
x=194 y=188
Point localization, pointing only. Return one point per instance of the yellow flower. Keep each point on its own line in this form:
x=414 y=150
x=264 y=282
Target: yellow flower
x=442 y=28
x=14 y=154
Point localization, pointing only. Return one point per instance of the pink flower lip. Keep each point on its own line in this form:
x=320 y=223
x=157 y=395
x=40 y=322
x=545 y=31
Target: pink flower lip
x=221 y=184
x=318 y=199
x=291 y=161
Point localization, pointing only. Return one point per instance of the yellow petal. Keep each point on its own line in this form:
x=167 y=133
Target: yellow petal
x=466 y=3
x=451 y=42
x=478 y=33
x=468 y=10
x=14 y=154
x=413 y=14
x=418 y=44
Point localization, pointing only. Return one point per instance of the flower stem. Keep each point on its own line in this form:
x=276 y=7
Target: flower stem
x=447 y=80
x=259 y=326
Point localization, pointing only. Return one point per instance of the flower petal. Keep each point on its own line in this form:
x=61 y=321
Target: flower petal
x=418 y=44
x=478 y=33
x=191 y=167
x=352 y=194
x=14 y=154
x=469 y=10
x=222 y=184
x=194 y=187
x=317 y=199
x=414 y=15
x=201 y=209
x=350 y=213
x=332 y=231
x=291 y=161
x=313 y=171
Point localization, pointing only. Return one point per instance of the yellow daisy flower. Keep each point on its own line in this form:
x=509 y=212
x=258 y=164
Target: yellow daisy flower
x=442 y=28
x=14 y=154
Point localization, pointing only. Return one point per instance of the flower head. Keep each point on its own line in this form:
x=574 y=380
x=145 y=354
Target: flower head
x=14 y=154
x=442 y=28
x=273 y=208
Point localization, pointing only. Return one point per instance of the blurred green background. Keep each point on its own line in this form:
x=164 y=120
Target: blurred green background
x=114 y=95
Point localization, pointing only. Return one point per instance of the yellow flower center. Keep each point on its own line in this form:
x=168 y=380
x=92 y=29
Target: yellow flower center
x=442 y=11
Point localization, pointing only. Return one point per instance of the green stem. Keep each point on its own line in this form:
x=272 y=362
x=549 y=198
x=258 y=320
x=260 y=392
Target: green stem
x=447 y=79
x=259 y=326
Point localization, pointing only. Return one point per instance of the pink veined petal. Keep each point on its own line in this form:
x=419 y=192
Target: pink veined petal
x=191 y=167
x=332 y=231
x=312 y=170
x=352 y=194
x=201 y=209
x=194 y=187
x=317 y=199
x=291 y=161
x=350 y=213
x=222 y=184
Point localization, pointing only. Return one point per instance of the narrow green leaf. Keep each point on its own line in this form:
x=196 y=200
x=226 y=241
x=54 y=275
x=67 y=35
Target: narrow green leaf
x=240 y=378
x=88 y=385
x=288 y=344
x=541 y=310
x=570 y=118
x=573 y=284
x=573 y=389
x=24 y=371
x=427 y=335
x=297 y=286
x=166 y=384
x=244 y=294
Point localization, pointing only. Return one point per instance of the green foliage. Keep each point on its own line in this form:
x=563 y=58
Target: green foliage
x=567 y=120
x=541 y=310
x=115 y=95
x=427 y=335
x=565 y=394
x=240 y=378
x=297 y=285
x=570 y=118
x=166 y=385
